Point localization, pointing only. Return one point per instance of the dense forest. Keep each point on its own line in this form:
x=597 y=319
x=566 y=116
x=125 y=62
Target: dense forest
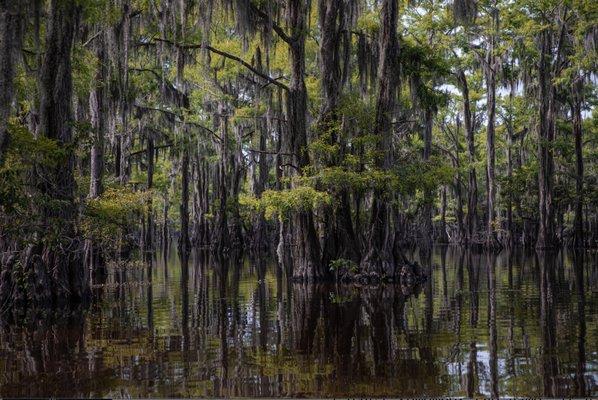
x=331 y=133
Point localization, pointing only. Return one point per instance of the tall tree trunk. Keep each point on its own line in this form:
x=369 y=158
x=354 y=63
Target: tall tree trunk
x=426 y=226
x=442 y=236
x=235 y=167
x=546 y=237
x=339 y=236
x=472 y=190
x=56 y=263
x=151 y=155
x=123 y=139
x=576 y=94
x=457 y=188
x=379 y=257
x=491 y=66
x=259 y=241
x=509 y=155
x=459 y=211
x=184 y=244
x=10 y=39
x=221 y=234
x=98 y=112
x=307 y=250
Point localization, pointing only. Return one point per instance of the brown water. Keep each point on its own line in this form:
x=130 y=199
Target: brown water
x=511 y=325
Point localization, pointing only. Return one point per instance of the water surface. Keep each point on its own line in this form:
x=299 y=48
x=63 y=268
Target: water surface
x=515 y=324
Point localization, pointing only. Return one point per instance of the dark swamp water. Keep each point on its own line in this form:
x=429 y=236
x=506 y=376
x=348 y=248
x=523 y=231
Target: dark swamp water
x=506 y=325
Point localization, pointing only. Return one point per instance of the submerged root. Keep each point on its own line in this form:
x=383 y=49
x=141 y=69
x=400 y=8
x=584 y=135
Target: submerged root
x=408 y=275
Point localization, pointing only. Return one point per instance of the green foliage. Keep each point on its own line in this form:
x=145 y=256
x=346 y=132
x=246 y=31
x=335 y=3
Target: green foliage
x=99 y=11
x=111 y=215
x=20 y=200
x=84 y=70
x=369 y=22
x=282 y=203
x=342 y=263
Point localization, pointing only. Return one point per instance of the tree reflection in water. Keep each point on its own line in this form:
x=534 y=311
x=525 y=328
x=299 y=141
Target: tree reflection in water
x=483 y=324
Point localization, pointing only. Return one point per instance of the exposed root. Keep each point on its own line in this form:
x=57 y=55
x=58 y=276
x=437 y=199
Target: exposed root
x=409 y=276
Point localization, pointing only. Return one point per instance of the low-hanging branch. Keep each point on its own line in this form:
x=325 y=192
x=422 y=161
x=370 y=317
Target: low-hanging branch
x=275 y=153
x=143 y=151
x=180 y=117
x=230 y=57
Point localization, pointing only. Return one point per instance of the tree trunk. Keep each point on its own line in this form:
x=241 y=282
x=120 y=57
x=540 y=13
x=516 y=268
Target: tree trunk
x=491 y=66
x=221 y=234
x=472 y=190
x=55 y=260
x=10 y=39
x=426 y=226
x=98 y=112
x=442 y=236
x=339 y=236
x=509 y=156
x=235 y=170
x=576 y=94
x=165 y=236
x=545 y=238
x=259 y=241
x=379 y=257
x=457 y=188
x=124 y=139
x=184 y=244
x=151 y=155
x=307 y=250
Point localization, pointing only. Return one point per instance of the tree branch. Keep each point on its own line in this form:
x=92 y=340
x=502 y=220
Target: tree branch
x=135 y=153
x=277 y=28
x=230 y=57
x=274 y=153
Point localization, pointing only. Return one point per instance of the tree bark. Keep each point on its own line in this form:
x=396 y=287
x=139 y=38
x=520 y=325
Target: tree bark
x=307 y=250
x=546 y=237
x=259 y=242
x=339 y=235
x=151 y=155
x=10 y=38
x=221 y=234
x=472 y=190
x=576 y=94
x=426 y=226
x=509 y=155
x=98 y=112
x=379 y=258
x=491 y=66
x=184 y=244
x=457 y=188
x=56 y=263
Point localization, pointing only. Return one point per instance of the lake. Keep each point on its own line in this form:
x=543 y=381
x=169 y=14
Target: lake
x=512 y=324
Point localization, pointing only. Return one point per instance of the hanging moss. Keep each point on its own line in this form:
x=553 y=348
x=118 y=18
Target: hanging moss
x=590 y=42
